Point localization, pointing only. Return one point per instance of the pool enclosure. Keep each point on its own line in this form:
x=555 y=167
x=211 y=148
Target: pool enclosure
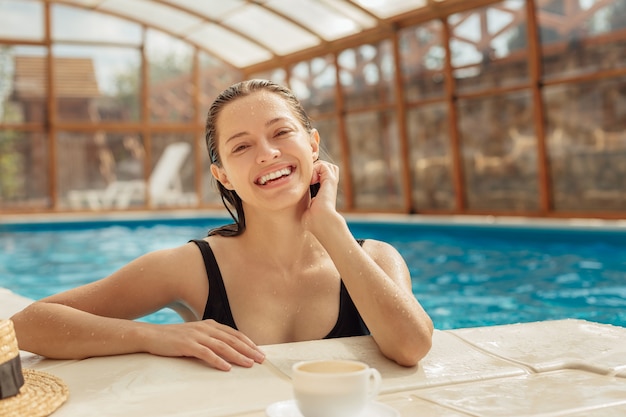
x=513 y=107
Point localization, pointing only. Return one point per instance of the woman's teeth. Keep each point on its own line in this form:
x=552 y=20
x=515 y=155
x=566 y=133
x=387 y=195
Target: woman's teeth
x=273 y=175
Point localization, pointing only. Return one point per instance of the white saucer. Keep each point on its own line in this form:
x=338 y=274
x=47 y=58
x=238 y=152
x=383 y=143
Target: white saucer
x=289 y=409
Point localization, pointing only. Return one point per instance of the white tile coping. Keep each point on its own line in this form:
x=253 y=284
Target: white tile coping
x=553 y=368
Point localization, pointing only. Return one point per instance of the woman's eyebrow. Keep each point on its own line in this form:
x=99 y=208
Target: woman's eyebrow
x=279 y=119
x=235 y=136
x=275 y=120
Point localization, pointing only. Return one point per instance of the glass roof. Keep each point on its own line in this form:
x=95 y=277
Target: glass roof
x=245 y=33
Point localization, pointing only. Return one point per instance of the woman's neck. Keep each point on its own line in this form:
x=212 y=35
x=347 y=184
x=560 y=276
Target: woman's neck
x=278 y=236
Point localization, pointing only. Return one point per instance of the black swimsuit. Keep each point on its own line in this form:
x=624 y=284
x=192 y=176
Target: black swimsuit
x=349 y=321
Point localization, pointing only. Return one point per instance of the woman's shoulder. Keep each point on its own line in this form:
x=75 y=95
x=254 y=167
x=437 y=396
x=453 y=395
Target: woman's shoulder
x=375 y=244
x=167 y=259
x=380 y=250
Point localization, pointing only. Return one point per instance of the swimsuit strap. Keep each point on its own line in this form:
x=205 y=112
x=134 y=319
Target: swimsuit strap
x=217 y=306
x=349 y=321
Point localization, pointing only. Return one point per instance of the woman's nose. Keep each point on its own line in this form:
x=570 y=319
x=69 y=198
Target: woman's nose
x=267 y=152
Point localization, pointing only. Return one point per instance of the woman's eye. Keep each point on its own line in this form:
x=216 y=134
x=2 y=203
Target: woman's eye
x=239 y=148
x=283 y=132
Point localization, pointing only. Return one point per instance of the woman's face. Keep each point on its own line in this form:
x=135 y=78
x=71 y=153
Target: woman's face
x=267 y=156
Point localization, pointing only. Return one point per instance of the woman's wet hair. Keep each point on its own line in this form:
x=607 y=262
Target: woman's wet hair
x=242 y=89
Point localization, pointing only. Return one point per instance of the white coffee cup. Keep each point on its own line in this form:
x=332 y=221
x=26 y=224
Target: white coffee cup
x=334 y=388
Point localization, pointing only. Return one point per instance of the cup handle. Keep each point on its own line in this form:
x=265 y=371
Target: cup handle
x=375 y=383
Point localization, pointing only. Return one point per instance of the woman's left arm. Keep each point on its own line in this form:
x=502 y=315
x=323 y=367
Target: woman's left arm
x=375 y=275
x=379 y=283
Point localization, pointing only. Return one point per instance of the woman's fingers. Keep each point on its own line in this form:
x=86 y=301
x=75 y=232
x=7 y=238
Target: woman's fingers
x=327 y=175
x=324 y=205
x=208 y=356
x=230 y=343
x=218 y=345
x=324 y=171
x=223 y=345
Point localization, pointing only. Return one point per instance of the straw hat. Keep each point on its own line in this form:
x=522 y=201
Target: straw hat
x=25 y=392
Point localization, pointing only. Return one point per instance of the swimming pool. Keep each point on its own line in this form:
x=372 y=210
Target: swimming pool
x=465 y=275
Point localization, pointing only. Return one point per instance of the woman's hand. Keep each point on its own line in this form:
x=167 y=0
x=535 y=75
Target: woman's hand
x=323 y=207
x=216 y=344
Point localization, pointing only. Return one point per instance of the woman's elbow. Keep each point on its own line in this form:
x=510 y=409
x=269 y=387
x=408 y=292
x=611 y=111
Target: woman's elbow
x=412 y=350
x=411 y=356
x=20 y=317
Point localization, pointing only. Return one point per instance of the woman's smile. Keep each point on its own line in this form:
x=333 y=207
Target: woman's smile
x=274 y=175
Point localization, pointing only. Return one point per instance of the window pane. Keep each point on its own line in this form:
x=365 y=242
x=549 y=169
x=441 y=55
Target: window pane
x=21 y=19
x=278 y=75
x=172 y=174
x=215 y=77
x=388 y=8
x=325 y=20
x=331 y=151
x=71 y=23
x=279 y=34
x=235 y=49
x=95 y=84
x=23 y=170
x=366 y=75
x=488 y=46
x=23 y=85
x=171 y=86
x=592 y=44
x=100 y=170
x=313 y=82
x=586 y=128
x=423 y=59
x=210 y=192
x=499 y=148
x=431 y=159
x=375 y=160
x=106 y=170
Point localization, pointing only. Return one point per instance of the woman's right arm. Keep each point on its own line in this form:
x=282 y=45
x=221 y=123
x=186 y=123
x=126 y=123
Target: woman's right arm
x=97 y=319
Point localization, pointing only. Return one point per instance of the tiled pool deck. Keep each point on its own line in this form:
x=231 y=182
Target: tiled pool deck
x=552 y=368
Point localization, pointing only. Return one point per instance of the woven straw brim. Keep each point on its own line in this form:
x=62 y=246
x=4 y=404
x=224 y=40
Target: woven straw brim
x=40 y=396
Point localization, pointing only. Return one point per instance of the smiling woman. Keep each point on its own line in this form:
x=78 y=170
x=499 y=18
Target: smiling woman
x=314 y=281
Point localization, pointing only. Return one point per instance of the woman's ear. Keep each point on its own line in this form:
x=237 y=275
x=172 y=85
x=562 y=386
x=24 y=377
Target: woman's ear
x=220 y=175
x=315 y=144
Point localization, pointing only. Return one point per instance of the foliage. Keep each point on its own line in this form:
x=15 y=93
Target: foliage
x=11 y=166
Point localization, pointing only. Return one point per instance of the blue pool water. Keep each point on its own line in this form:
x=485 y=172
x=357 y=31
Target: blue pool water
x=464 y=275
